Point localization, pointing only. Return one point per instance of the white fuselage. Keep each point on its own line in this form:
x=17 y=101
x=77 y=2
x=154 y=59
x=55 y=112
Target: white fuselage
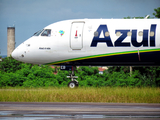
x=94 y=42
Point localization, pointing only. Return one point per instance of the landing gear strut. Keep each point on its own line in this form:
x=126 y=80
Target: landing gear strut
x=74 y=82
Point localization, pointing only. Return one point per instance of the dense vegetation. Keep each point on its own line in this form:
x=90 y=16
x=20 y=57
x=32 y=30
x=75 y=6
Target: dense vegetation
x=14 y=73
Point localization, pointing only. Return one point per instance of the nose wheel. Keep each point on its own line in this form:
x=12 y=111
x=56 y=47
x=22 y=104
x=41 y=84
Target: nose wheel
x=74 y=82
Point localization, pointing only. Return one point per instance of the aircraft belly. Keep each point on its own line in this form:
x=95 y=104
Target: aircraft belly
x=132 y=57
x=147 y=58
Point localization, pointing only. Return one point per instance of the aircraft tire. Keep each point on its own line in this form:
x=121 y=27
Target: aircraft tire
x=72 y=84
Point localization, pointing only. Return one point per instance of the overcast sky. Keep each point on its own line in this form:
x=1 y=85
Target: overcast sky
x=29 y=16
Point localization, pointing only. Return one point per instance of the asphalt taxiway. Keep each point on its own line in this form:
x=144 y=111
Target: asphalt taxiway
x=73 y=111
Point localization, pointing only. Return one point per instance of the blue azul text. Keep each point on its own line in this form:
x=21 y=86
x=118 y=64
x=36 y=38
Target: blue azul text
x=119 y=42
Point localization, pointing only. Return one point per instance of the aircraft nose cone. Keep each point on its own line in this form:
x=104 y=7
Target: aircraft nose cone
x=15 y=54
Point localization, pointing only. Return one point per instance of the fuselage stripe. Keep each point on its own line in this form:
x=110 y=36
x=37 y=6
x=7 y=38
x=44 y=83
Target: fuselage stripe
x=104 y=55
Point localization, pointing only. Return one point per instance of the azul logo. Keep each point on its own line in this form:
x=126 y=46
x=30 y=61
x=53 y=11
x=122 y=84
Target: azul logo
x=103 y=31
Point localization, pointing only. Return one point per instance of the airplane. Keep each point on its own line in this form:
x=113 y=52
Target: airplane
x=93 y=42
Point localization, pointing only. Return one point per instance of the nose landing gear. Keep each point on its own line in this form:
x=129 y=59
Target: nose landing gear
x=74 y=82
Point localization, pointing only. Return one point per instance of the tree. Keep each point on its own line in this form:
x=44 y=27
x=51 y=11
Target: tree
x=9 y=64
x=157 y=14
x=147 y=16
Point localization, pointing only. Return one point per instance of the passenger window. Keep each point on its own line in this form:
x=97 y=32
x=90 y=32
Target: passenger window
x=129 y=33
x=118 y=33
x=95 y=34
x=152 y=33
x=106 y=34
x=140 y=33
x=46 y=32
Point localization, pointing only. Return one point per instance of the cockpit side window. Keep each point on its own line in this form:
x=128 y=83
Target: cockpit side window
x=46 y=32
x=38 y=33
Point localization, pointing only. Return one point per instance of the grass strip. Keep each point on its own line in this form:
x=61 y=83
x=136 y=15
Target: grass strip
x=81 y=94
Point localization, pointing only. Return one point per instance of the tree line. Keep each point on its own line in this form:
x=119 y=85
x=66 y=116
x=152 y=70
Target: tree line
x=14 y=73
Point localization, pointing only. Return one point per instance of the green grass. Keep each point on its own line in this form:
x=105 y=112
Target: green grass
x=81 y=94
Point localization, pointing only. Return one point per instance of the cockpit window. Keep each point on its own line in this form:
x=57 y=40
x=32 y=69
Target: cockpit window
x=46 y=32
x=38 y=33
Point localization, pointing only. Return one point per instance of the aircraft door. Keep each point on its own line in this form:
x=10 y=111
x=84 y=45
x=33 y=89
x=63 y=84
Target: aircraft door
x=76 y=40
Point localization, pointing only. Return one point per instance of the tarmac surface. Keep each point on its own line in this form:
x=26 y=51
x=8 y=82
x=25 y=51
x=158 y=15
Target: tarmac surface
x=80 y=111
